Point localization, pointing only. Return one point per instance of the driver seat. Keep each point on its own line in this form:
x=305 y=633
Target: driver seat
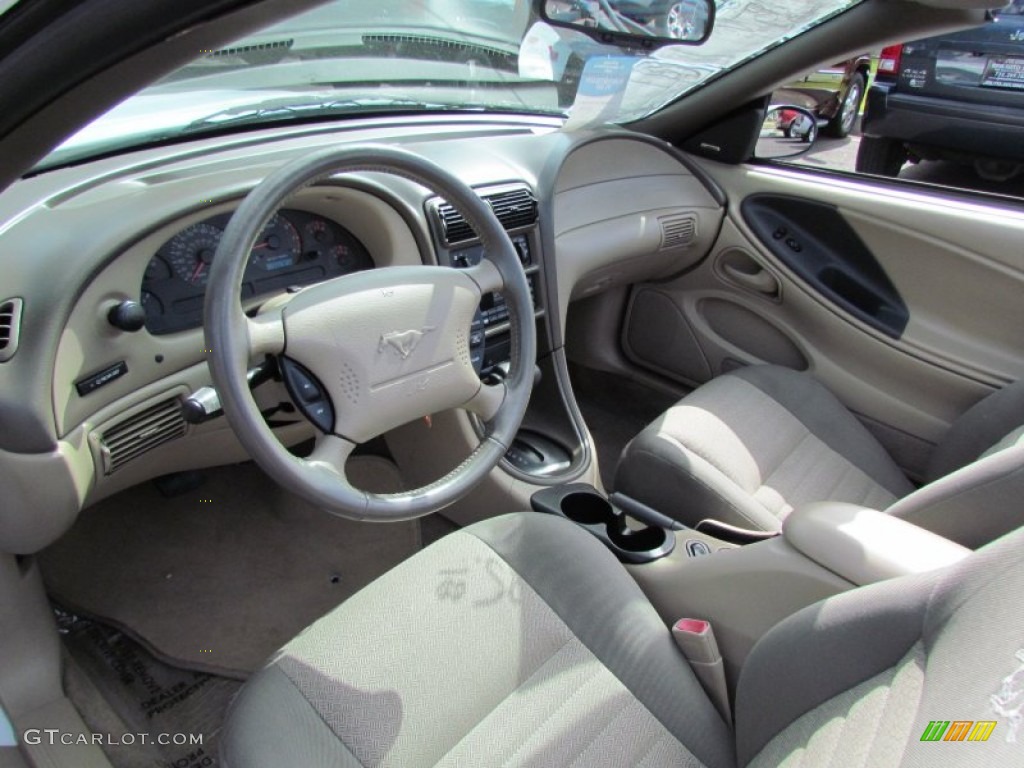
x=522 y=641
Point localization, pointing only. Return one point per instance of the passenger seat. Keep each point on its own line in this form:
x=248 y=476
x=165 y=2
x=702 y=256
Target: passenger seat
x=750 y=446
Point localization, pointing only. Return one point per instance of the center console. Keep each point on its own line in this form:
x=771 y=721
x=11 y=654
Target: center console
x=550 y=445
x=489 y=340
x=632 y=541
x=458 y=246
x=743 y=591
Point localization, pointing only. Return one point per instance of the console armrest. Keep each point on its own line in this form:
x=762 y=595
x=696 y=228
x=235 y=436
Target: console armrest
x=864 y=545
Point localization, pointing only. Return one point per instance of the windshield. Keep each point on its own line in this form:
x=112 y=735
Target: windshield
x=371 y=57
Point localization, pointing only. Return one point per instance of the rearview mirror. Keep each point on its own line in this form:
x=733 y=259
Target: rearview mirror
x=634 y=23
x=787 y=131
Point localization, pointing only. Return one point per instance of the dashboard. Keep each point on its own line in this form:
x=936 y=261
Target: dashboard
x=92 y=406
x=295 y=249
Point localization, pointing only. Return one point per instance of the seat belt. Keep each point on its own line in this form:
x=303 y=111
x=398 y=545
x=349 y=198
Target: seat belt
x=696 y=640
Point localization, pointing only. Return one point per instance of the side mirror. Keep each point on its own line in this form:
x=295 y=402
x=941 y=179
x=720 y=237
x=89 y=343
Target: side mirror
x=787 y=131
x=633 y=24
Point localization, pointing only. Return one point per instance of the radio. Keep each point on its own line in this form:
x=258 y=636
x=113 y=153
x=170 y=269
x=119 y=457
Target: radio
x=489 y=343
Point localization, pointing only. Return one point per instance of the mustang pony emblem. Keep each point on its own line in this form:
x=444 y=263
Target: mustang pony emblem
x=404 y=343
x=1008 y=701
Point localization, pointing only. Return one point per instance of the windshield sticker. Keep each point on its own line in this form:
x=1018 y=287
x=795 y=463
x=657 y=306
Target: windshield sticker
x=542 y=55
x=600 y=92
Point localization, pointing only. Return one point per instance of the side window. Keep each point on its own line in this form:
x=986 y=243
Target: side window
x=946 y=110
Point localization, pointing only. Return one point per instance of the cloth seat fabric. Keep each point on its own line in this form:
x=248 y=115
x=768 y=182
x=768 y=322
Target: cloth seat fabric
x=522 y=642
x=517 y=641
x=750 y=446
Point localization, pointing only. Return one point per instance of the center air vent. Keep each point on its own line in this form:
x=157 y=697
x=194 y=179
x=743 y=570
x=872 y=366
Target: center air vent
x=514 y=208
x=10 y=328
x=677 y=231
x=140 y=433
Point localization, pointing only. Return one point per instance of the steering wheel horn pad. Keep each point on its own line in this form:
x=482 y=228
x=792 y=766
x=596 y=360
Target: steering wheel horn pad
x=384 y=373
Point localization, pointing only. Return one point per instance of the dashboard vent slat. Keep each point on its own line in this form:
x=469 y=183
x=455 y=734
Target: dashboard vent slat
x=515 y=208
x=678 y=231
x=275 y=45
x=10 y=328
x=455 y=228
x=412 y=46
x=141 y=433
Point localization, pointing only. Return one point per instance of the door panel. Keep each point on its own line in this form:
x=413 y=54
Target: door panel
x=956 y=265
x=818 y=245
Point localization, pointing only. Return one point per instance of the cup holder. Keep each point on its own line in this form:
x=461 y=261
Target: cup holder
x=646 y=539
x=587 y=508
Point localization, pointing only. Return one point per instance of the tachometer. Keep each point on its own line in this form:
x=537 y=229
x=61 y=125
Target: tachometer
x=190 y=252
x=318 y=232
x=278 y=246
x=326 y=240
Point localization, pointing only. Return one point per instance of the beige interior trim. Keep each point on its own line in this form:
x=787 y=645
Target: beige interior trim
x=864 y=545
x=743 y=592
x=940 y=251
x=450 y=437
x=944 y=253
x=89 y=343
x=611 y=199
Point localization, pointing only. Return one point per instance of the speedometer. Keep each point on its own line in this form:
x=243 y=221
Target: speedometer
x=278 y=246
x=190 y=252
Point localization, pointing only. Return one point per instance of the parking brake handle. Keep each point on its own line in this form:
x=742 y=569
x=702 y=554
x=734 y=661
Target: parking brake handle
x=697 y=642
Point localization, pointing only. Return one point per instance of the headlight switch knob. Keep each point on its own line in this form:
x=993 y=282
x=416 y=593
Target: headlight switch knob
x=127 y=315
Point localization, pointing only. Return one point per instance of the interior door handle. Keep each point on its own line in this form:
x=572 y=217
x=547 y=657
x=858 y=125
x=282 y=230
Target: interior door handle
x=760 y=280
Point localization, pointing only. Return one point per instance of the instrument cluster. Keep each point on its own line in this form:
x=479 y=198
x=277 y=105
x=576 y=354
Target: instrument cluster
x=295 y=248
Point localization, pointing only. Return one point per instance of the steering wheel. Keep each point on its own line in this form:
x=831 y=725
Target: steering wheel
x=385 y=346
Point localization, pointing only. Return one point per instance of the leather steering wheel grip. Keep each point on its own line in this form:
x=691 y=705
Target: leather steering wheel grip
x=347 y=322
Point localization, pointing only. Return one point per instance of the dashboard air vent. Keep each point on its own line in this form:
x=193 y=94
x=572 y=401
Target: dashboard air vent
x=10 y=328
x=409 y=46
x=276 y=45
x=140 y=433
x=455 y=228
x=677 y=231
x=514 y=208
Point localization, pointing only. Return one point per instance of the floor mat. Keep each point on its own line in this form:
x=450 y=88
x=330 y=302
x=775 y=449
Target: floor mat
x=218 y=578
x=615 y=409
x=143 y=704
